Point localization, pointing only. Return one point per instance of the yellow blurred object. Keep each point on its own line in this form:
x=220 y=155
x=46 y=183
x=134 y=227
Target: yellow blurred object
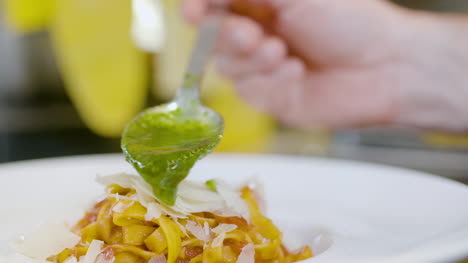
x=105 y=74
x=29 y=15
x=446 y=140
x=172 y=61
x=246 y=130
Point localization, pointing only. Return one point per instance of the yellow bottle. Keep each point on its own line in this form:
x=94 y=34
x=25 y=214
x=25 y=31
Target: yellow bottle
x=105 y=74
x=28 y=15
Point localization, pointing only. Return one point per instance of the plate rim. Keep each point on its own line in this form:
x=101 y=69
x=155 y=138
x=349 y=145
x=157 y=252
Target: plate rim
x=288 y=157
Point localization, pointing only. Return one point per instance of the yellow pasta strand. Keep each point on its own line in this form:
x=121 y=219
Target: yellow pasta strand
x=192 y=242
x=137 y=251
x=135 y=235
x=268 y=250
x=117 y=236
x=202 y=220
x=156 y=242
x=213 y=254
x=238 y=235
x=104 y=224
x=135 y=214
x=172 y=233
x=117 y=189
x=89 y=233
x=228 y=255
x=127 y=257
x=303 y=254
x=197 y=259
x=261 y=223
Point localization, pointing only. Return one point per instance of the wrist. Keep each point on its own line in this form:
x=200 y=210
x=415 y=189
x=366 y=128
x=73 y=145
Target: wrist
x=433 y=85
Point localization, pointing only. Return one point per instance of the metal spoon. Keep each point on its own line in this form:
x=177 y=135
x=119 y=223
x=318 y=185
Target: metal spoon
x=164 y=142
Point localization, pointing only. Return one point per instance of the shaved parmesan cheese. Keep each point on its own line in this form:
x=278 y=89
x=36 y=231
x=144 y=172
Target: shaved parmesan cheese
x=226 y=228
x=218 y=241
x=206 y=228
x=71 y=259
x=234 y=201
x=124 y=180
x=152 y=211
x=221 y=231
x=102 y=259
x=170 y=211
x=107 y=256
x=197 y=192
x=198 y=231
x=247 y=254
x=49 y=239
x=122 y=197
x=95 y=248
x=121 y=207
x=191 y=198
x=158 y=259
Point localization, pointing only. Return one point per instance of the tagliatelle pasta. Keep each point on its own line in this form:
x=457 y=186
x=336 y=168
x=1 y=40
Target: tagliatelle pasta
x=117 y=230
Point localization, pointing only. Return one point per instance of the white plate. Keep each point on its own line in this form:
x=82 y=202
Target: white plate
x=372 y=213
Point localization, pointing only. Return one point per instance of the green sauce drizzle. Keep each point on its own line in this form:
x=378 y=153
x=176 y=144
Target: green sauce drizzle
x=212 y=185
x=163 y=146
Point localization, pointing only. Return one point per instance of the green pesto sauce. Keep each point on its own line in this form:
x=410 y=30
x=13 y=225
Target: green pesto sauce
x=163 y=146
x=212 y=185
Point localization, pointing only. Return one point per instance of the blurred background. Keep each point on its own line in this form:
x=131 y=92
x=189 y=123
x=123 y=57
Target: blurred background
x=73 y=72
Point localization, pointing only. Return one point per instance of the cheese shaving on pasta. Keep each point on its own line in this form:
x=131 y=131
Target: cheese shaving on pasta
x=158 y=259
x=94 y=249
x=191 y=198
x=46 y=240
x=221 y=231
x=198 y=231
x=247 y=254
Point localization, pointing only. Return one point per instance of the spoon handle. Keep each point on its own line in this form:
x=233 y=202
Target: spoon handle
x=204 y=46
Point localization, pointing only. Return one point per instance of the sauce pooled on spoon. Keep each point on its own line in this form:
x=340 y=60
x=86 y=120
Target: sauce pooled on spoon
x=163 y=144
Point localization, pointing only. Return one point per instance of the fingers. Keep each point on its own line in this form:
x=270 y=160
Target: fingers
x=341 y=99
x=240 y=36
x=243 y=45
x=273 y=91
x=337 y=99
x=258 y=63
x=269 y=54
x=244 y=49
x=194 y=10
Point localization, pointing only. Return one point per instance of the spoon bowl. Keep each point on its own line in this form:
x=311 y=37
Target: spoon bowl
x=164 y=142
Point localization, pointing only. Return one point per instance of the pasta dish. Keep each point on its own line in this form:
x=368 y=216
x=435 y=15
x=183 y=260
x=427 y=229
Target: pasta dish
x=209 y=222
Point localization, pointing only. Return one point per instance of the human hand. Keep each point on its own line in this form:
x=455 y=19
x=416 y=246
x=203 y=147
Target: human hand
x=340 y=63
